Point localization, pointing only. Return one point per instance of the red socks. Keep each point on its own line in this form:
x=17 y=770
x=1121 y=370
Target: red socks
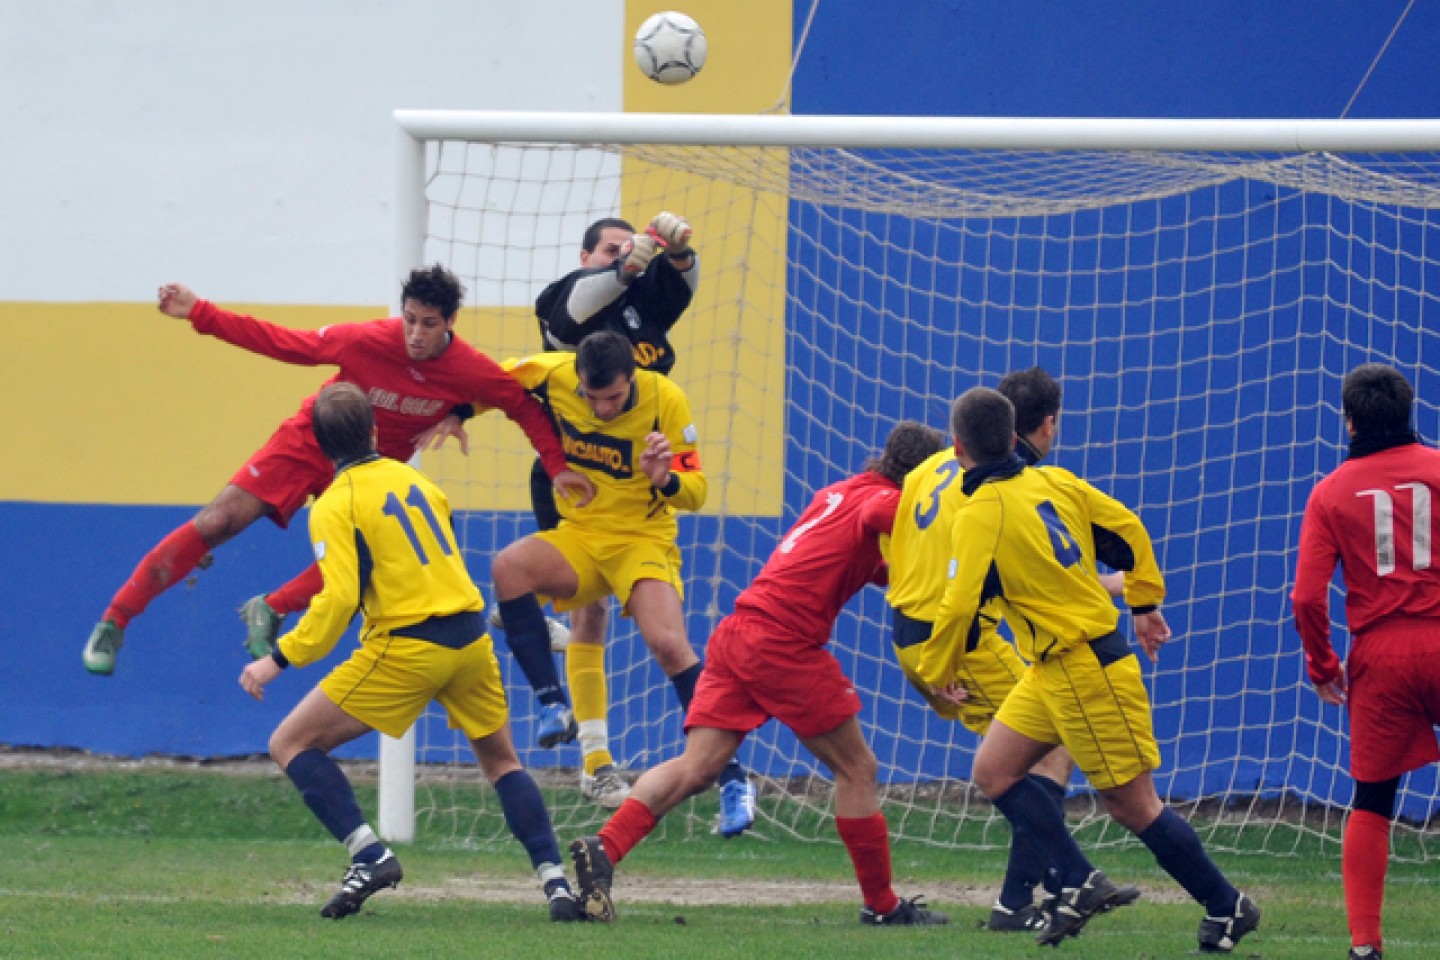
x=867 y=839
x=171 y=560
x=1365 y=855
x=626 y=828
x=295 y=595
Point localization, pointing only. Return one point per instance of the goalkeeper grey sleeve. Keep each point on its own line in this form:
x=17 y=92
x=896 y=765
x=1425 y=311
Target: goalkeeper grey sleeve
x=593 y=293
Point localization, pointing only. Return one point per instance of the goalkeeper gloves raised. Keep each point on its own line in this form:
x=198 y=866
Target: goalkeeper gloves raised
x=674 y=231
x=635 y=255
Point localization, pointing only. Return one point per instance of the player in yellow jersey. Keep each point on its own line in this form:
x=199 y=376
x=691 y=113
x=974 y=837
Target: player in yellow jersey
x=631 y=433
x=1025 y=540
x=918 y=553
x=383 y=538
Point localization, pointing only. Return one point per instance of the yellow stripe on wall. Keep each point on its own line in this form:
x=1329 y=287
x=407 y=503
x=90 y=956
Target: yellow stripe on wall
x=118 y=403
x=731 y=345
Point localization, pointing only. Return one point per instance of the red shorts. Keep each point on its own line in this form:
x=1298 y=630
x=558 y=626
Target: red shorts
x=750 y=677
x=1394 y=699
x=286 y=472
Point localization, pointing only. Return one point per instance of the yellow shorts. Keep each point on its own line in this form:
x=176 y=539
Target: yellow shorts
x=988 y=672
x=388 y=681
x=1091 y=699
x=608 y=564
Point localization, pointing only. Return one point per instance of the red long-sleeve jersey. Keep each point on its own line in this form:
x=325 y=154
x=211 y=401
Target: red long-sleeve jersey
x=827 y=556
x=408 y=396
x=1374 y=515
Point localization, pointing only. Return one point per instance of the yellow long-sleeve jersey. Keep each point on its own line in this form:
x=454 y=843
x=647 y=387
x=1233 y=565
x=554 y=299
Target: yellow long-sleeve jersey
x=608 y=451
x=1027 y=537
x=918 y=548
x=383 y=537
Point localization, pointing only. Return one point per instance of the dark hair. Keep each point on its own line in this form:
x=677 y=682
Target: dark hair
x=1034 y=394
x=910 y=444
x=343 y=422
x=602 y=357
x=592 y=232
x=436 y=287
x=1377 y=398
x=983 y=421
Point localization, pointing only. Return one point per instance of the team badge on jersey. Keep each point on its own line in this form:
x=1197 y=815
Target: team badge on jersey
x=690 y=434
x=319 y=550
x=632 y=318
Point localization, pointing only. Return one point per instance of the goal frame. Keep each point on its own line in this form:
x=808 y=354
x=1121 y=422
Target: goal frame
x=414 y=128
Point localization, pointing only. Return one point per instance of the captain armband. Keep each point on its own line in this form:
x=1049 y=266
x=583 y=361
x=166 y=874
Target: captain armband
x=687 y=462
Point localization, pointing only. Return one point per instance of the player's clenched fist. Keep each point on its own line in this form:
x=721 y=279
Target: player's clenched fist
x=635 y=255
x=655 y=458
x=176 y=299
x=674 y=231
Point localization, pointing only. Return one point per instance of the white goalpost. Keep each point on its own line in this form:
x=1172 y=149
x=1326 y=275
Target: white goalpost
x=1199 y=288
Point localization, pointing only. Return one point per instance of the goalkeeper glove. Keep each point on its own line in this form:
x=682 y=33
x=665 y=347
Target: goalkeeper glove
x=674 y=231
x=635 y=255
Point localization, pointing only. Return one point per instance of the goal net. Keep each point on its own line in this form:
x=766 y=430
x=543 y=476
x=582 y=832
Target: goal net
x=1199 y=289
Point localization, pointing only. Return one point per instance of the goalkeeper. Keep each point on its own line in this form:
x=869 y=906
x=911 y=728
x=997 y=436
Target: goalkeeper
x=918 y=552
x=637 y=285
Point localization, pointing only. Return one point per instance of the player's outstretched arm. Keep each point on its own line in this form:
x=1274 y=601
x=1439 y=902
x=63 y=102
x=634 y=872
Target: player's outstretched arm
x=175 y=300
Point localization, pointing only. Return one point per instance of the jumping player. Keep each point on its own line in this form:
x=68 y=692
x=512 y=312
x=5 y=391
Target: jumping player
x=413 y=368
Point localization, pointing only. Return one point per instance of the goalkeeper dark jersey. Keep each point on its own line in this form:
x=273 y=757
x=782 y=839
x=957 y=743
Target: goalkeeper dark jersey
x=643 y=313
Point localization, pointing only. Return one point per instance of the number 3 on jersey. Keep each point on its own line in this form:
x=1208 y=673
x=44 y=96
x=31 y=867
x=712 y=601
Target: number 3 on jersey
x=394 y=508
x=949 y=470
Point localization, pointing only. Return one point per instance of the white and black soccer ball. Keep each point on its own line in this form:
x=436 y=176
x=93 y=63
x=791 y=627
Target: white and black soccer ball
x=670 y=47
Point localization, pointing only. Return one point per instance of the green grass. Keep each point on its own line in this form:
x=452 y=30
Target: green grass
x=182 y=864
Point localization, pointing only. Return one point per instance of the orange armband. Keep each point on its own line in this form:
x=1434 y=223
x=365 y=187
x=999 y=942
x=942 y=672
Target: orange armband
x=687 y=462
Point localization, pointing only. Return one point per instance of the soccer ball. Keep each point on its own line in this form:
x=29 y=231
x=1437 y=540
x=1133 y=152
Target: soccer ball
x=670 y=47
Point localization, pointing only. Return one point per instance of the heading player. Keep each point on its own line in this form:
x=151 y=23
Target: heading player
x=1373 y=516
x=384 y=540
x=768 y=659
x=637 y=285
x=1025 y=539
x=631 y=433
x=413 y=369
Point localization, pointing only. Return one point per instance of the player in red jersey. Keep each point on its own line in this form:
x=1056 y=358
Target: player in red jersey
x=414 y=370
x=1373 y=515
x=768 y=659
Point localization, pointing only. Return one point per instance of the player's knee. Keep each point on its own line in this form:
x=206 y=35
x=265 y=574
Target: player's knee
x=508 y=575
x=672 y=651
x=859 y=771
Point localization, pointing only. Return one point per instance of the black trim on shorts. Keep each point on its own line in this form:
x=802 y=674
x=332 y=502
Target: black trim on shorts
x=1111 y=648
x=456 y=631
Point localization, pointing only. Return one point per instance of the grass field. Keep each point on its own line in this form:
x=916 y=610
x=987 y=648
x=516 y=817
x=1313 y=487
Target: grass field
x=179 y=864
